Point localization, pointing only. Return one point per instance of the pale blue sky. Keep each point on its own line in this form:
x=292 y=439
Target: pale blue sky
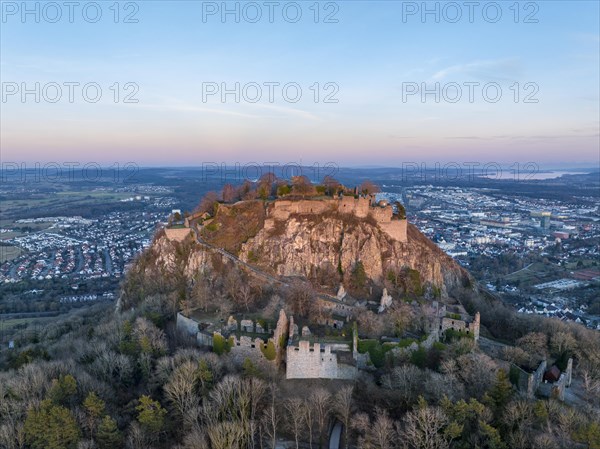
x=369 y=53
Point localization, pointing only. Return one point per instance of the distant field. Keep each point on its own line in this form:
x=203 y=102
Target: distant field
x=536 y=273
x=57 y=201
x=11 y=324
x=87 y=196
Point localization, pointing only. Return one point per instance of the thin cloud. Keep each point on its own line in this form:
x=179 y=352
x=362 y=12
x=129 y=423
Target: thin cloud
x=491 y=70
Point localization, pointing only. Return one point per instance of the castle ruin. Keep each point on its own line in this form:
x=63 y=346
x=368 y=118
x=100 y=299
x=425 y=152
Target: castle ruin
x=360 y=207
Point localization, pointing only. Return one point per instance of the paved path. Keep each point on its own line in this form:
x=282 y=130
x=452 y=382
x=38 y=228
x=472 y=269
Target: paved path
x=518 y=271
x=336 y=436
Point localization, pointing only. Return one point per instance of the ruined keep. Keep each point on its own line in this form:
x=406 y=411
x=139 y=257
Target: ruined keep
x=319 y=361
x=461 y=325
x=531 y=384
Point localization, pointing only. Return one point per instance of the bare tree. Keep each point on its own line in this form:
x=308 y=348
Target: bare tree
x=517 y=414
x=309 y=418
x=331 y=185
x=368 y=322
x=477 y=371
x=136 y=438
x=591 y=384
x=180 y=390
x=407 y=380
x=301 y=297
x=295 y=417
x=535 y=344
x=301 y=185
x=320 y=399
x=232 y=284
x=562 y=342
x=361 y=423
x=246 y=296
x=207 y=203
x=515 y=355
x=226 y=435
x=201 y=293
x=229 y=193
x=196 y=439
x=382 y=432
x=270 y=419
x=368 y=187
x=423 y=428
x=344 y=407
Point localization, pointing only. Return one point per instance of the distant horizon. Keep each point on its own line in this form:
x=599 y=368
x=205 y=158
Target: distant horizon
x=274 y=166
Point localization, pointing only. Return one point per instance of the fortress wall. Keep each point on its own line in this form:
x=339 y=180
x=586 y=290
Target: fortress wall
x=348 y=372
x=382 y=214
x=339 y=347
x=360 y=207
x=304 y=362
x=187 y=325
x=280 y=334
x=461 y=325
x=451 y=323
x=177 y=234
x=204 y=339
x=357 y=206
x=312 y=206
x=346 y=204
x=535 y=379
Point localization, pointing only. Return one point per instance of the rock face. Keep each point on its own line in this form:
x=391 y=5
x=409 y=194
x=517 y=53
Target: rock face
x=305 y=243
x=302 y=245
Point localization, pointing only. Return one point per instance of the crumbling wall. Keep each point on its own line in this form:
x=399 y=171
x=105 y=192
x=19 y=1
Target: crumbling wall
x=306 y=362
x=187 y=325
x=461 y=325
x=177 y=234
x=535 y=379
x=361 y=207
x=280 y=335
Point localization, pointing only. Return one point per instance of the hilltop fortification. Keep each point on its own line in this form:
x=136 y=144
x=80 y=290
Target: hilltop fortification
x=360 y=207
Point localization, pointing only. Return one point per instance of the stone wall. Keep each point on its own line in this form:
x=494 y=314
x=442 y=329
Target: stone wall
x=529 y=383
x=204 y=339
x=462 y=325
x=186 y=324
x=361 y=207
x=316 y=362
x=535 y=379
x=177 y=234
x=557 y=389
x=281 y=334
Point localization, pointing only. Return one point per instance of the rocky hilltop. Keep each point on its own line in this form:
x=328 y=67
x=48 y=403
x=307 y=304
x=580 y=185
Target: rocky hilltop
x=311 y=239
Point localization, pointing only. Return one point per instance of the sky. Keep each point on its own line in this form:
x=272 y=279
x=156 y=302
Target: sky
x=371 y=83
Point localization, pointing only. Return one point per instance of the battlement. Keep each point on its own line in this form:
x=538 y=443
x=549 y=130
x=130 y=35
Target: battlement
x=316 y=361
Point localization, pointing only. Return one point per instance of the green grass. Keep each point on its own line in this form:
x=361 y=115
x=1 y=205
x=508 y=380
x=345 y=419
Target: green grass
x=12 y=323
x=537 y=273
